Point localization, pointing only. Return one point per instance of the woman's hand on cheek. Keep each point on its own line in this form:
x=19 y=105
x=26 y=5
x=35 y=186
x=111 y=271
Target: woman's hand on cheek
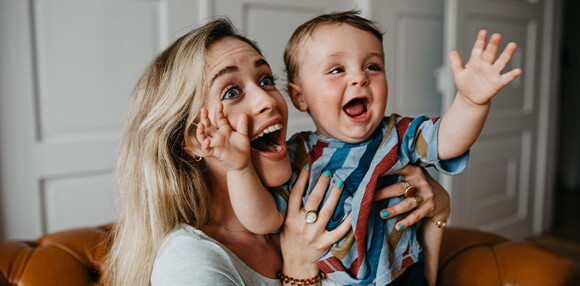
x=303 y=243
x=430 y=200
x=231 y=147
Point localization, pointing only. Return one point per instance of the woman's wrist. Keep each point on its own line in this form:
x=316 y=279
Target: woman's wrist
x=290 y=280
x=300 y=270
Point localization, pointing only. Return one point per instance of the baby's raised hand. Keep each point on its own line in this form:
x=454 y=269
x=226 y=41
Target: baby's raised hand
x=481 y=78
x=231 y=147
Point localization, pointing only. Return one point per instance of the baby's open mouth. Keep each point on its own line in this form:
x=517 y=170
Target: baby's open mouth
x=356 y=107
x=269 y=140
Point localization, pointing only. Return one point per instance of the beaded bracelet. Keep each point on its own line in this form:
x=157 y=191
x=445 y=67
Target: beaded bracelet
x=293 y=281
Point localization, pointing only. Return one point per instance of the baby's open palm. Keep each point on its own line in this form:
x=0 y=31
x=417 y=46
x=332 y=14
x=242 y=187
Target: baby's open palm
x=481 y=78
x=231 y=147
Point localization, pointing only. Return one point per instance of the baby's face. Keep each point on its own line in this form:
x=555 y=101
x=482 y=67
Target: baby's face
x=341 y=82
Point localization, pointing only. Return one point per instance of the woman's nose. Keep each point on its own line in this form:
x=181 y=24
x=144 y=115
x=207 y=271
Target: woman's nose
x=264 y=102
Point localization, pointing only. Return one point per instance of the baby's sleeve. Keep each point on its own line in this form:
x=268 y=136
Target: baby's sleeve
x=419 y=145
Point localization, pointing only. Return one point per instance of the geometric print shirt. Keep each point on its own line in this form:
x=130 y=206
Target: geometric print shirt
x=372 y=250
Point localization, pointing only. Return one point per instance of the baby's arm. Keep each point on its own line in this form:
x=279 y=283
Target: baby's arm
x=252 y=202
x=477 y=83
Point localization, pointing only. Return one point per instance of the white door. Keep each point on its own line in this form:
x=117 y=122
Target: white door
x=498 y=190
x=67 y=69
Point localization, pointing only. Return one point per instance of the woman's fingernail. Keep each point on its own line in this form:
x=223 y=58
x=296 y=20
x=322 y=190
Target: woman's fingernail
x=307 y=166
x=339 y=184
x=327 y=173
x=399 y=227
x=385 y=214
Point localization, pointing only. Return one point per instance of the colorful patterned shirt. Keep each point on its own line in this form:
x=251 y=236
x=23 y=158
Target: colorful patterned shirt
x=373 y=250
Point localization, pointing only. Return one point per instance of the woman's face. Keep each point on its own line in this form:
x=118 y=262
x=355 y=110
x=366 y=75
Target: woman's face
x=241 y=79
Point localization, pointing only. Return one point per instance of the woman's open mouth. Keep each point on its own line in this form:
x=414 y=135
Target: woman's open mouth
x=270 y=141
x=356 y=108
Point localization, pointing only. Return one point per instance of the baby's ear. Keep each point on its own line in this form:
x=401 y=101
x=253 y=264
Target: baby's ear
x=295 y=93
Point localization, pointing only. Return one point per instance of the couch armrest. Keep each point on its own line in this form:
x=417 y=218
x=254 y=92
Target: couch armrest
x=72 y=257
x=472 y=257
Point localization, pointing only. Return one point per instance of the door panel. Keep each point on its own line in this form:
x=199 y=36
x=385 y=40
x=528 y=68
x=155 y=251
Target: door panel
x=68 y=68
x=413 y=43
x=496 y=192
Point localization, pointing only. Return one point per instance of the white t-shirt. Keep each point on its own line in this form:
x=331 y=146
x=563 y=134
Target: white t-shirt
x=190 y=257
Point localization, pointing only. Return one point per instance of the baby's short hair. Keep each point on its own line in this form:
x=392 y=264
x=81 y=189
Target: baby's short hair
x=305 y=30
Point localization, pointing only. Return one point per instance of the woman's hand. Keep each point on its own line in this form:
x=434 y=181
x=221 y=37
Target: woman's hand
x=303 y=243
x=433 y=201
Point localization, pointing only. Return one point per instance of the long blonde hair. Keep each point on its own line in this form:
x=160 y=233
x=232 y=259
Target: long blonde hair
x=159 y=184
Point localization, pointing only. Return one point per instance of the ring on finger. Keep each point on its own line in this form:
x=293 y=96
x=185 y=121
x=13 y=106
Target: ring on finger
x=410 y=190
x=311 y=216
x=418 y=199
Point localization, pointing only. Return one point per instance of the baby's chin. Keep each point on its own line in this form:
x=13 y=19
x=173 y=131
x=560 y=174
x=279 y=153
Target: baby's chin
x=353 y=135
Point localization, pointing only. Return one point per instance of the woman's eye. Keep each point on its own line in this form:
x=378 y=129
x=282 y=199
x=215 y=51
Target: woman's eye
x=374 y=67
x=336 y=70
x=232 y=93
x=268 y=80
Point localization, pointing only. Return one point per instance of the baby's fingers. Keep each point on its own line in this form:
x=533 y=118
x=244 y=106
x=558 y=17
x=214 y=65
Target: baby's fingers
x=203 y=117
x=243 y=127
x=221 y=119
x=508 y=77
x=505 y=57
x=455 y=62
x=479 y=45
x=492 y=47
x=200 y=132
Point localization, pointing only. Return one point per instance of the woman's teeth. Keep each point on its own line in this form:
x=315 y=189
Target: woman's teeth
x=270 y=129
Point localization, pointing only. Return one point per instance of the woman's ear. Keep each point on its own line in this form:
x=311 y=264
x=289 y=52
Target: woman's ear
x=295 y=93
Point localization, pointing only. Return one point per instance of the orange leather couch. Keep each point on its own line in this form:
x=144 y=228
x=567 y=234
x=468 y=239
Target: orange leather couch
x=468 y=257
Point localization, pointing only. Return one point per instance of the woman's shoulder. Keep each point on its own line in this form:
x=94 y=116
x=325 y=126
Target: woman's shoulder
x=188 y=256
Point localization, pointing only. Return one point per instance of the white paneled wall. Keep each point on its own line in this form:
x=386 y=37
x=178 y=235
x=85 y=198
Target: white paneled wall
x=68 y=67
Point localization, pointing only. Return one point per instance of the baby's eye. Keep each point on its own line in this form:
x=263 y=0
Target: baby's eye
x=336 y=70
x=267 y=80
x=232 y=93
x=374 y=67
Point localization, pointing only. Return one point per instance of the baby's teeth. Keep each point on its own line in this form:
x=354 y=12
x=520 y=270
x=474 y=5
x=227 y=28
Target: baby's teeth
x=278 y=126
x=260 y=135
x=278 y=148
x=272 y=128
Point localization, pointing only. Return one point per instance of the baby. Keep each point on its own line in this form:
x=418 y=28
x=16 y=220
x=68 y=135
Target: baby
x=336 y=72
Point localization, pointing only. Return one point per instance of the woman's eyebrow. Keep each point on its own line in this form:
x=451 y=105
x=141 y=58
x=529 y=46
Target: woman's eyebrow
x=226 y=70
x=231 y=69
x=261 y=62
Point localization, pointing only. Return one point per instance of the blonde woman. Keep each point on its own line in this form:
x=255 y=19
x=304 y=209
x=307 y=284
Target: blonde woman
x=176 y=224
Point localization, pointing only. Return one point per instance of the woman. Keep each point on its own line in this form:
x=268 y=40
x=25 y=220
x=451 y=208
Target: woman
x=175 y=223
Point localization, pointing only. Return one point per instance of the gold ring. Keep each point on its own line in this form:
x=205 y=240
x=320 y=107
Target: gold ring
x=311 y=216
x=410 y=190
x=418 y=199
x=439 y=223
